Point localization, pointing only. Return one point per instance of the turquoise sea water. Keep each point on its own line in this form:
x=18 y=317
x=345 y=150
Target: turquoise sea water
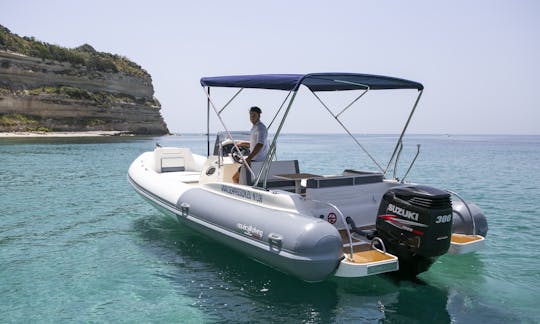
x=78 y=245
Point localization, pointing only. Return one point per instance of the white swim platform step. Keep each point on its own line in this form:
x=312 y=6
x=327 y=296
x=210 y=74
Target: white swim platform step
x=462 y=243
x=366 y=262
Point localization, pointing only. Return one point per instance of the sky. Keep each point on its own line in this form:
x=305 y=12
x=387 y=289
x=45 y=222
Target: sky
x=478 y=60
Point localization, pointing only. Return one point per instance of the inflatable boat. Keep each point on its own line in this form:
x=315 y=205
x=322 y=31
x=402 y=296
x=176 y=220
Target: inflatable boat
x=353 y=224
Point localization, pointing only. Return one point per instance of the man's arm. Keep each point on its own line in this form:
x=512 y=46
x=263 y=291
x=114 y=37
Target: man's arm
x=254 y=152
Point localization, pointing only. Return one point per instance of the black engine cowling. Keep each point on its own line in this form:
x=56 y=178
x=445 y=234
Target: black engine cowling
x=415 y=224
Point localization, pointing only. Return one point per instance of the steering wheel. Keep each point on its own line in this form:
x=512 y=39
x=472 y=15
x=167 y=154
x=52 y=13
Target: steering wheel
x=236 y=155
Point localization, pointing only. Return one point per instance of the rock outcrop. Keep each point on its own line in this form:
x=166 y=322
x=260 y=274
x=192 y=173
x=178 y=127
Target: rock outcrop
x=90 y=91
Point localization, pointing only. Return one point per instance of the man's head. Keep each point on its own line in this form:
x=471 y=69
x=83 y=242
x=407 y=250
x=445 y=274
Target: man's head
x=254 y=114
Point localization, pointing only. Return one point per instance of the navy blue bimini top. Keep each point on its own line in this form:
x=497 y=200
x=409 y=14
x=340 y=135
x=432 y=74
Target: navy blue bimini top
x=314 y=81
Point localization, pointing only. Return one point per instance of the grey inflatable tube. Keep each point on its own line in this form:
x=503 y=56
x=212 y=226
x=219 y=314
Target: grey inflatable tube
x=462 y=219
x=304 y=246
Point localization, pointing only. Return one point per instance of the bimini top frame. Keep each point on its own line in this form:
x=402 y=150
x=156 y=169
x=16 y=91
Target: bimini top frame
x=315 y=82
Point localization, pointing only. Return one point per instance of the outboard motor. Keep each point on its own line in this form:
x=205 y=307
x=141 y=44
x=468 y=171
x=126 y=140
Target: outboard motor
x=415 y=224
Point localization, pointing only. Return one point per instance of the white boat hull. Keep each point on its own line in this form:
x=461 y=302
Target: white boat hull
x=299 y=234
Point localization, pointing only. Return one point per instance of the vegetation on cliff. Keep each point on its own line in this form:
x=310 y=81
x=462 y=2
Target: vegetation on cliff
x=84 y=55
x=69 y=93
x=99 y=98
x=20 y=122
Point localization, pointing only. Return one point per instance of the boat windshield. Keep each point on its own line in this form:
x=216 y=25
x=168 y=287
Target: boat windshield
x=226 y=139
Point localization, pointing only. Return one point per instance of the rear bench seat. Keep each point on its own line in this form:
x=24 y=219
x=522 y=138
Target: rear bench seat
x=349 y=178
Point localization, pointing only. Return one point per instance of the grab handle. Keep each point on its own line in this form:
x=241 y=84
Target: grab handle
x=275 y=241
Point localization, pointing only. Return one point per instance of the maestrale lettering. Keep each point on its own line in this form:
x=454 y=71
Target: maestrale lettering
x=402 y=212
x=246 y=194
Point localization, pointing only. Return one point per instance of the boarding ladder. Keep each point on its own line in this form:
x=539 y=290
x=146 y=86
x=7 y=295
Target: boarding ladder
x=361 y=256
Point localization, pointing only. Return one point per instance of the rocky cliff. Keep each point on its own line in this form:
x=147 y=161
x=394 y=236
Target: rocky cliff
x=45 y=87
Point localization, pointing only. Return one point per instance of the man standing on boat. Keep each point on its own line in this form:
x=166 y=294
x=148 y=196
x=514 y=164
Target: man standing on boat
x=257 y=140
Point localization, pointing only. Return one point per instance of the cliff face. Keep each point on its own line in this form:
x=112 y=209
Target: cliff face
x=52 y=95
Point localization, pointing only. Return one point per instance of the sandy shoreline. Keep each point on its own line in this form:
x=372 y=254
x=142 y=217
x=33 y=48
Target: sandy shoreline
x=65 y=134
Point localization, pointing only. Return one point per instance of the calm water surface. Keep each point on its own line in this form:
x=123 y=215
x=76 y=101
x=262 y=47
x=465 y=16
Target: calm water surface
x=78 y=245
